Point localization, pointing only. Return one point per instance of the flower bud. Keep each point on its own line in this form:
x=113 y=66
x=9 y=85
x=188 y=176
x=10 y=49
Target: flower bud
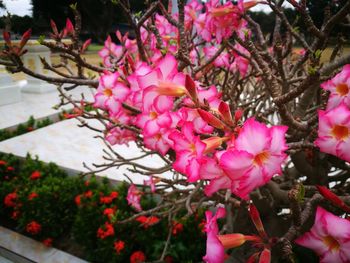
x=255 y=216
x=69 y=27
x=25 y=38
x=225 y=112
x=211 y=119
x=7 y=38
x=191 y=88
x=85 y=45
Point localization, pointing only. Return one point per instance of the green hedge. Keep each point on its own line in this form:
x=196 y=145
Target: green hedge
x=23 y=128
x=41 y=201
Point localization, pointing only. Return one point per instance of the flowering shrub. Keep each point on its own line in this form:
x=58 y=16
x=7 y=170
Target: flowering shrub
x=231 y=115
x=107 y=235
x=38 y=199
x=56 y=210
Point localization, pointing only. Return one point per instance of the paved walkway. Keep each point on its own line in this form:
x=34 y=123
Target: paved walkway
x=36 y=105
x=69 y=146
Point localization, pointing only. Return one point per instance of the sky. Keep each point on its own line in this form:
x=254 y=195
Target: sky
x=18 y=7
x=23 y=7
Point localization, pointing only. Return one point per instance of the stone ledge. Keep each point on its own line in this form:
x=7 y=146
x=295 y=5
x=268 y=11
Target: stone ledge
x=31 y=250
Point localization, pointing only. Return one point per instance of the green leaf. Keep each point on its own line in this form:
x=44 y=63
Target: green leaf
x=318 y=53
x=74 y=6
x=41 y=39
x=312 y=70
x=301 y=193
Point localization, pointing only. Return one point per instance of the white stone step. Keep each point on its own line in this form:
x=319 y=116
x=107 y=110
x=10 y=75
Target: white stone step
x=36 y=105
x=68 y=145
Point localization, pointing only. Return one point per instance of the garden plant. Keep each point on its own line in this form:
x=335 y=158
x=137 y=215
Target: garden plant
x=81 y=216
x=252 y=128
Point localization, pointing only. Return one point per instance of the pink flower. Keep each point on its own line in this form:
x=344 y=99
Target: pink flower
x=210 y=170
x=209 y=95
x=155 y=113
x=329 y=237
x=240 y=63
x=164 y=78
x=334 y=132
x=339 y=86
x=201 y=28
x=191 y=115
x=152 y=183
x=254 y=162
x=166 y=30
x=110 y=52
x=119 y=135
x=222 y=20
x=191 y=11
x=134 y=197
x=221 y=61
x=215 y=250
x=189 y=151
x=110 y=92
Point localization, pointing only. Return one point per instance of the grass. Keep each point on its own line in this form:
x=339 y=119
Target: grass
x=95 y=48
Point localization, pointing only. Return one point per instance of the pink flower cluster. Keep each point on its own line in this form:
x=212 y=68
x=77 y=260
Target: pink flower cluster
x=242 y=166
x=334 y=122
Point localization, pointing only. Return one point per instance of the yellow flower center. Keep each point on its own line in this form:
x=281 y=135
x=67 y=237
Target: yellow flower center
x=108 y=92
x=192 y=147
x=261 y=158
x=342 y=89
x=340 y=132
x=153 y=115
x=331 y=243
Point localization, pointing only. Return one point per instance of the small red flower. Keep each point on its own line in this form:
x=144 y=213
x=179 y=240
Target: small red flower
x=109 y=212
x=109 y=198
x=177 y=228
x=106 y=200
x=35 y=175
x=201 y=226
x=48 y=242
x=105 y=231
x=2 y=162
x=114 y=195
x=88 y=194
x=168 y=259
x=10 y=199
x=32 y=195
x=119 y=246
x=137 y=257
x=30 y=128
x=77 y=200
x=147 y=221
x=33 y=228
x=15 y=215
x=87 y=183
x=10 y=169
